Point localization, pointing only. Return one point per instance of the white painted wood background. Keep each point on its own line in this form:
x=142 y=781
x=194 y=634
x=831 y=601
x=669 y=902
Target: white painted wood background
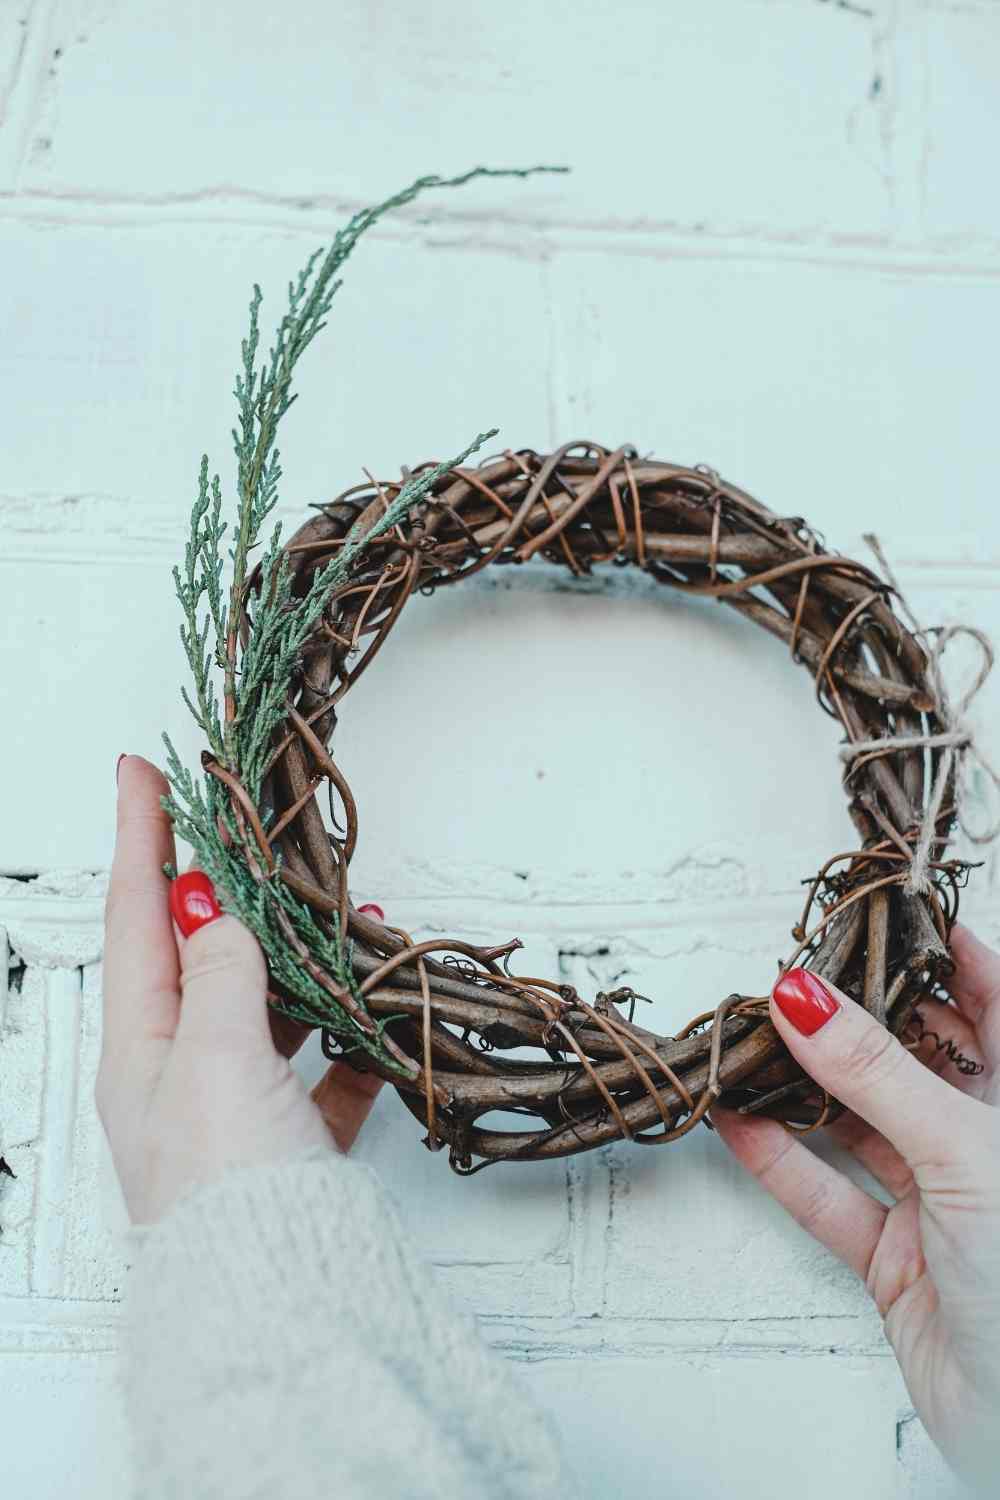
x=778 y=253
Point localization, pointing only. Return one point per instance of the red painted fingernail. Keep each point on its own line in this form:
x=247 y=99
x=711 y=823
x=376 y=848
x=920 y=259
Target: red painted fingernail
x=192 y=901
x=805 y=1000
x=118 y=764
x=371 y=908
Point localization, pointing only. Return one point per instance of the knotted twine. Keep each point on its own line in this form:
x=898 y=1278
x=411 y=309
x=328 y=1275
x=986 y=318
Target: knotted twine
x=957 y=740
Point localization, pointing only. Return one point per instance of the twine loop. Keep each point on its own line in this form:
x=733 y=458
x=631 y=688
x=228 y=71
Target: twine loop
x=957 y=741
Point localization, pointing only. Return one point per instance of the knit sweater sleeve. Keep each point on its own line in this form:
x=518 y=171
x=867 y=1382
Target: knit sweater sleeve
x=281 y=1340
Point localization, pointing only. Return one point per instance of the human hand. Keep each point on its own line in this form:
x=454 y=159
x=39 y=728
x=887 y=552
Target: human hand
x=190 y=1081
x=931 y=1261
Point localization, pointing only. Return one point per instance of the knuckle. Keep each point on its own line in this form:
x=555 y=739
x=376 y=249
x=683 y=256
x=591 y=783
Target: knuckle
x=223 y=947
x=816 y=1206
x=112 y=905
x=122 y=899
x=772 y=1163
x=886 y=1282
x=873 y=1058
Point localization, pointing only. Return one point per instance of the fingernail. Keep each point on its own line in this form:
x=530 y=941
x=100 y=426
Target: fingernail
x=118 y=764
x=192 y=901
x=372 y=908
x=805 y=1000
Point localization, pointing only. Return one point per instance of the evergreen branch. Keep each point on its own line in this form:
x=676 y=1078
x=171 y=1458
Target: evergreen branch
x=255 y=904
x=264 y=397
x=256 y=693
x=203 y=576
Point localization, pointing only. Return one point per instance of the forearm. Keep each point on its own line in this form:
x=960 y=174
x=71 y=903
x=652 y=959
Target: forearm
x=279 y=1335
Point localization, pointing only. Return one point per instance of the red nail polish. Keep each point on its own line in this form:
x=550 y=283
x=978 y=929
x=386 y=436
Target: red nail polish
x=192 y=901
x=805 y=1000
x=118 y=764
x=371 y=908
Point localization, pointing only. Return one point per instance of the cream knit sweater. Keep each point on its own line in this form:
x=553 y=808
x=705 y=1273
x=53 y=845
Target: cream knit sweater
x=282 y=1341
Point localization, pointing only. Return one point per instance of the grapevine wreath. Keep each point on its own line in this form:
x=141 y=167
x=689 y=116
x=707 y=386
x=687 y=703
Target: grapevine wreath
x=439 y=1019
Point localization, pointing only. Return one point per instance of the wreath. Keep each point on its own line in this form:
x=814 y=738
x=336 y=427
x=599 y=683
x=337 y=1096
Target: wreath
x=439 y=1018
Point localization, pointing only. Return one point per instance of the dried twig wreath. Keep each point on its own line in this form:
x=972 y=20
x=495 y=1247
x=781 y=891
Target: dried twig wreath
x=437 y=1017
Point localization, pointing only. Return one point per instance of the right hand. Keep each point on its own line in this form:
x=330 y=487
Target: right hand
x=931 y=1261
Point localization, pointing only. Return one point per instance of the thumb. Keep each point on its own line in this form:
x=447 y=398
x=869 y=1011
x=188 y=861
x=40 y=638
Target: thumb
x=862 y=1064
x=223 y=970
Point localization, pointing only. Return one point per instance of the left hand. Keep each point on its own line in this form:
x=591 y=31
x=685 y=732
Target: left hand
x=190 y=1079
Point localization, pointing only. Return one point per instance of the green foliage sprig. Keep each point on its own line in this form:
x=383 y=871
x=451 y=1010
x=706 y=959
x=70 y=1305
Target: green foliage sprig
x=256 y=687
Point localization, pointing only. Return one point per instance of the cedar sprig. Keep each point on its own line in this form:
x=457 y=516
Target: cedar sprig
x=256 y=905
x=257 y=688
x=282 y=626
x=203 y=576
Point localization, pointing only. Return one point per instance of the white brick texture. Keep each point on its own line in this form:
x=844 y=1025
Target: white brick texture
x=778 y=252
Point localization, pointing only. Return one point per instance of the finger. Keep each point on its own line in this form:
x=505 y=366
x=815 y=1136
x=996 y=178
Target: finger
x=834 y=1210
x=287 y=1034
x=948 y=1044
x=874 y=1153
x=975 y=986
x=345 y=1098
x=223 y=974
x=141 y=968
x=862 y=1064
